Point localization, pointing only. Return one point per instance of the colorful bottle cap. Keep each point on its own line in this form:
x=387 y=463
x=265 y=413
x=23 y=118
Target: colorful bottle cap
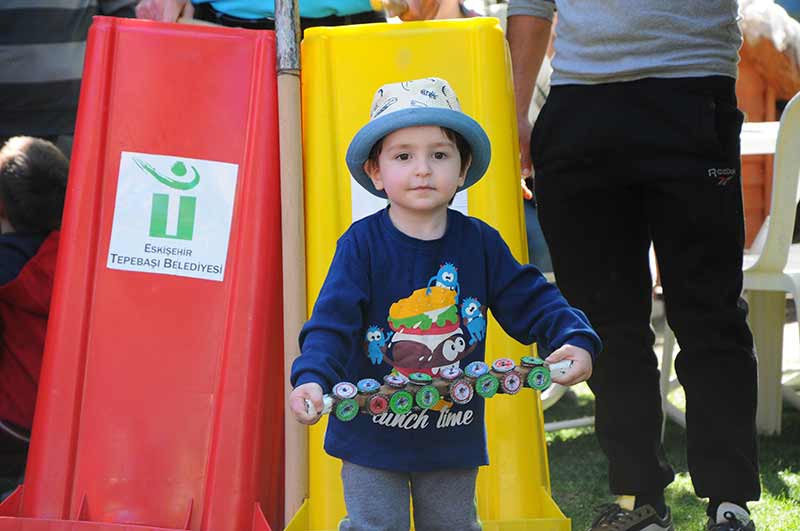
x=346 y=410
x=511 y=382
x=503 y=365
x=344 y=390
x=427 y=396
x=420 y=378
x=486 y=386
x=378 y=404
x=401 y=402
x=368 y=386
x=450 y=373
x=539 y=378
x=476 y=369
x=397 y=381
x=461 y=392
x=530 y=361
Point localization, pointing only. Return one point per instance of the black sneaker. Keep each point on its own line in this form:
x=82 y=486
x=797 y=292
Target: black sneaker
x=731 y=517
x=612 y=517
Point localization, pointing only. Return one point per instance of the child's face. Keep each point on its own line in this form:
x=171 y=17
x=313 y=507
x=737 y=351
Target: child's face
x=419 y=168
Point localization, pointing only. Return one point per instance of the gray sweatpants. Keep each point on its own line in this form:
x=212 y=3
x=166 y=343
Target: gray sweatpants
x=377 y=500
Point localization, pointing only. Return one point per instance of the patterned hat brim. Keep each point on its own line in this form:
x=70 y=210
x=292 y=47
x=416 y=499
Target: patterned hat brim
x=367 y=136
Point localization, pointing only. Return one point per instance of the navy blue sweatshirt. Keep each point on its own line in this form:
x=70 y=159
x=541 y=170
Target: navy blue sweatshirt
x=393 y=302
x=15 y=251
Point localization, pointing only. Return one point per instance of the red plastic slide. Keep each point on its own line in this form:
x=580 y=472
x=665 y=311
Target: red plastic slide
x=161 y=395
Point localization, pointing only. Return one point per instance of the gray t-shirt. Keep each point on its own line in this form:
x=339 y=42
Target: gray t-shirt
x=623 y=40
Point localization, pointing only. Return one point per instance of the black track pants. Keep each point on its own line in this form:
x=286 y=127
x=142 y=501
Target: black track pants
x=620 y=165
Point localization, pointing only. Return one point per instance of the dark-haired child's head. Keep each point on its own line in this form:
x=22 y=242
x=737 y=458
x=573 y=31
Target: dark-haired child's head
x=33 y=181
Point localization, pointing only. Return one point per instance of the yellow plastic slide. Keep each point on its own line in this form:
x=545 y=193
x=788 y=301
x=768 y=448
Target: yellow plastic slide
x=342 y=68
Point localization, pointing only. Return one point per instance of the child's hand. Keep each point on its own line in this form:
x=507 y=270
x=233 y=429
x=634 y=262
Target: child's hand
x=297 y=402
x=581 y=368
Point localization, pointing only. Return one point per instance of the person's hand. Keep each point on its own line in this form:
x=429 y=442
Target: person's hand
x=527 y=193
x=420 y=10
x=524 y=128
x=164 y=10
x=581 y=368
x=297 y=402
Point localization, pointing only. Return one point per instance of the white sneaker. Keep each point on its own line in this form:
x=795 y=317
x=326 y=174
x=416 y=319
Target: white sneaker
x=731 y=517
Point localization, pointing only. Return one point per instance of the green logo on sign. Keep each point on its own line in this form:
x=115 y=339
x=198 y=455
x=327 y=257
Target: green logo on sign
x=186 y=206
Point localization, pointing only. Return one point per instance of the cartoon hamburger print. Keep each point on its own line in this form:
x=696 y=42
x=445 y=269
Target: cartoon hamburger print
x=426 y=334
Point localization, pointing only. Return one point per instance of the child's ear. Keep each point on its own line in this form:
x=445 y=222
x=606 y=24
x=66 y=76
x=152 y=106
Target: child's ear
x=374 y=172
x=463 y=176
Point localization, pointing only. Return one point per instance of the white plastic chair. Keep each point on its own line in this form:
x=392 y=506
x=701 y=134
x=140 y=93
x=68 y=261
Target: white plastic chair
x=770 y=272
x=774 y=272
x=668 y=382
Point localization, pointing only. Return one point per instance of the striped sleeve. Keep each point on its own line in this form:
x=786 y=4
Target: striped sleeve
x=42 y=45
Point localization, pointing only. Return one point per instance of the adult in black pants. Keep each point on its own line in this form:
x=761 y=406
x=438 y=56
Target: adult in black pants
x=639 y=142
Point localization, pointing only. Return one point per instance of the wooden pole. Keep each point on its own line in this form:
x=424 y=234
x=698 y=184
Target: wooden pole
x=287 y=29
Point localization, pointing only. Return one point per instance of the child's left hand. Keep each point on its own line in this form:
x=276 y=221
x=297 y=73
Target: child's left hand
x=581 y=368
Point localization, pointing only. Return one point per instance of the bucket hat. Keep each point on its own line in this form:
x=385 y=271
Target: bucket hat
x=420 y=102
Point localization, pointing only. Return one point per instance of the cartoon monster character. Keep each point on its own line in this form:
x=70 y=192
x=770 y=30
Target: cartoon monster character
x=428 y=354
x=376 y=343
x=447 y=277
x=474 y=319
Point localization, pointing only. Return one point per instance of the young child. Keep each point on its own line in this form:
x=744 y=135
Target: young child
x=408 y=291
x=33 y=177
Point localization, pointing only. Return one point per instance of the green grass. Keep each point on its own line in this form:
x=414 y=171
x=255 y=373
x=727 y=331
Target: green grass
x=579 y=482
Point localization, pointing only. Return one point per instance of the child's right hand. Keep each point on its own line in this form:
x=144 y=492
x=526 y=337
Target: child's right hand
x=297 y=402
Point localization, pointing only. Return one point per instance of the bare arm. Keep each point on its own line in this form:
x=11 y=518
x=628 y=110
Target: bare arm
x=164 y=10
x=528 y=37
x=419 y=10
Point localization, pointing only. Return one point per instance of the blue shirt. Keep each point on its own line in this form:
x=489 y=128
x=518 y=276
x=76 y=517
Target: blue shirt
x=374 y=314
x=308 y=8
x=791 y=6
x=15 y=251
